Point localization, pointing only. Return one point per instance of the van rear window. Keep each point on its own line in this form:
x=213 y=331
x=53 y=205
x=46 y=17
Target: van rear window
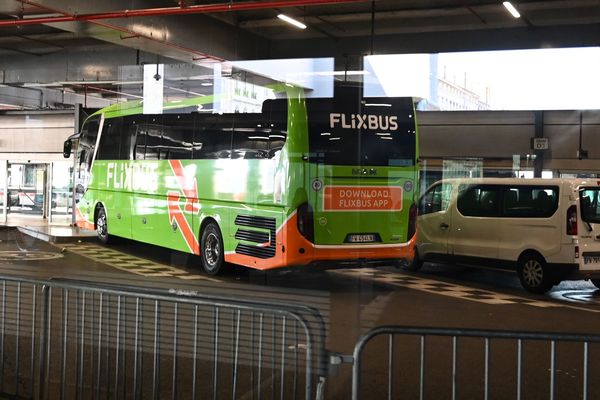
x=508 y=201
x=589 y=199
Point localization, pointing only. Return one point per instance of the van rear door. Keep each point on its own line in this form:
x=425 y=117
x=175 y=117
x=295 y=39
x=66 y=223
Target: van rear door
x=589 y=233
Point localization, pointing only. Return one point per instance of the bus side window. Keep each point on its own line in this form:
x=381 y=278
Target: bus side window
x=277 y=140
x=139 y=151
x=109 y=147
x=177 y=137
x=250 y=143
x=212 y=137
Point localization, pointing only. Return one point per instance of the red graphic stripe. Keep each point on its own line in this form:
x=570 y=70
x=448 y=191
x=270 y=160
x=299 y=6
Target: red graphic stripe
x=176 y=214
x=189 y=189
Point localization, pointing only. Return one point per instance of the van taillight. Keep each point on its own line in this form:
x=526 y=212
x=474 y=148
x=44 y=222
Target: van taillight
x=412 y=221
x=572 y=220
x=305 y=221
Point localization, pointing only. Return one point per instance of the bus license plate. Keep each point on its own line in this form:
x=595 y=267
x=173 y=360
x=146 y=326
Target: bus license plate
x=362 y=238
x=591 y=260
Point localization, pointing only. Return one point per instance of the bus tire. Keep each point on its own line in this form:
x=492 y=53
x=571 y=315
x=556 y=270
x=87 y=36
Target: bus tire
x=211 y=249
x=415 y=264
x=101 y=224
x=534 y=273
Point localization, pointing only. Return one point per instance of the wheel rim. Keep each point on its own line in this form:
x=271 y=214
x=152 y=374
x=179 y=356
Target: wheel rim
x=533 y=273
x=101 y=226
x=212 y=250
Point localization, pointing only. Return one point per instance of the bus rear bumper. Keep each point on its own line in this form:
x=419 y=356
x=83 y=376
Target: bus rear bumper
x=295 y=250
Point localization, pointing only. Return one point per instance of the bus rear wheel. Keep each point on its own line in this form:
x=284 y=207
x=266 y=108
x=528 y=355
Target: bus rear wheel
x=211 y=249
x=102 y=226
x=415 y=264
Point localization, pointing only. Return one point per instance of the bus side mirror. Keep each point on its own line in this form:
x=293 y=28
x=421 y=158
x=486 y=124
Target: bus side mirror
x=67 y=148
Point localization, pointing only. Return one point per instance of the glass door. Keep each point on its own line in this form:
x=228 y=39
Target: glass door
x=27 y=190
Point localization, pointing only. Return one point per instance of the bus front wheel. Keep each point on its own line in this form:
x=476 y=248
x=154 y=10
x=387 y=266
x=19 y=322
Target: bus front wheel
x=211 y=248
x=102 y=226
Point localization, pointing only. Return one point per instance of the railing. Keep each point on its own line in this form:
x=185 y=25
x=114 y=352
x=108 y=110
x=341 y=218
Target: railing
x=78 y=340
x=432 y=355
x=86 y=341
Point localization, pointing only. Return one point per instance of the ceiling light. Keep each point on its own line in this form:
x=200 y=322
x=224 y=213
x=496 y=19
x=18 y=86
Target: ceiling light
x=511 y=9
x=292 y=21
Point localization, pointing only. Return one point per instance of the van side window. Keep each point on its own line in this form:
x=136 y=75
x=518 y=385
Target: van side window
x=530 y=201
x=435 y=199
x=479 y=201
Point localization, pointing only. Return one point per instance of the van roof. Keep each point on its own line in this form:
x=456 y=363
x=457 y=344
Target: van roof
x=574 y=184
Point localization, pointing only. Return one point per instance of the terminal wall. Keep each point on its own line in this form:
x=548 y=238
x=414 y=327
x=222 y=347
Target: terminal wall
x=35 y=136
x=496 y=136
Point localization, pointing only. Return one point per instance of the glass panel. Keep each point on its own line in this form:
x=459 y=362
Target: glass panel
x=62 y=192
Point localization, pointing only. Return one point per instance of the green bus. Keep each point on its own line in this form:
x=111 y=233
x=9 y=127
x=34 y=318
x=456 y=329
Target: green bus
x=323 y=181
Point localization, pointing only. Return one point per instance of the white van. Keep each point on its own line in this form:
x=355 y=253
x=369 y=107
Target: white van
x=546 y=229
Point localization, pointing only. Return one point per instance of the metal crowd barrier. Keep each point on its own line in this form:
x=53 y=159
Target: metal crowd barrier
x=394 y=351
x=78 y=340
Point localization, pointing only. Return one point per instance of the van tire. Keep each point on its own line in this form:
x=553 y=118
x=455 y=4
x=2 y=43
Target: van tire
x=596 y=282
x=416 y=264
x=101 y=225
x=211 y=249
x=534 y=273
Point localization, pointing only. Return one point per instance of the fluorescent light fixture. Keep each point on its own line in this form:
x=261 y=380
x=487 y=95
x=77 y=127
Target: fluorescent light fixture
x=326 y=134
x=258 y=137
x=292 y=21
x=511 y=9
x=377 y=105
x=383 y=134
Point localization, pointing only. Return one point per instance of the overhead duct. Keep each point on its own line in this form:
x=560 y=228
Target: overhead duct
x=150 y=12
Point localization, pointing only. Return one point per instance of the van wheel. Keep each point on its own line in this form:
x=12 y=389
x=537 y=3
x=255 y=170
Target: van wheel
x=102 y=226
x=534 y=275
x=596 y=282
x=415 y=264
x=211 y=248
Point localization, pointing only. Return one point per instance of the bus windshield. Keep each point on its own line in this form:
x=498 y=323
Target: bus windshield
x=371 y=132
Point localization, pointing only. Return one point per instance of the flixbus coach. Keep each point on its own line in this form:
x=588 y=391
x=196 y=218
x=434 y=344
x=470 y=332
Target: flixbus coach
x=307 y=181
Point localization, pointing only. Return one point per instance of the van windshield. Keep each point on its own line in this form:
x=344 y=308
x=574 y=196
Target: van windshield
x=590 y=205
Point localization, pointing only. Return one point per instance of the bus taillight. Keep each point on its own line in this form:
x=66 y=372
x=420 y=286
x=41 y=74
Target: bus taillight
x=305 y=221
x=412 y=221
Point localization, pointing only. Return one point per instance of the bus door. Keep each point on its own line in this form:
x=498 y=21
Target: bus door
x=111 y=176
x=84 y=155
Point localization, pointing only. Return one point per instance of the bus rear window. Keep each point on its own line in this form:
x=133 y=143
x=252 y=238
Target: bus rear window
x=590 y=207
x=368 y=131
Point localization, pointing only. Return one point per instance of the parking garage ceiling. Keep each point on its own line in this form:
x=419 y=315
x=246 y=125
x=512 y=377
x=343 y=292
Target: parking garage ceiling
x=45 y=42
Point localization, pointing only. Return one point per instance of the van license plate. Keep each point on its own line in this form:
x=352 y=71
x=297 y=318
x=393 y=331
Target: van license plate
x=591 y=260
x=362 y=238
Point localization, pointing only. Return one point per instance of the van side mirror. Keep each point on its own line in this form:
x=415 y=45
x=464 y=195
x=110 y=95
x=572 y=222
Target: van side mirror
x=67 y=148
